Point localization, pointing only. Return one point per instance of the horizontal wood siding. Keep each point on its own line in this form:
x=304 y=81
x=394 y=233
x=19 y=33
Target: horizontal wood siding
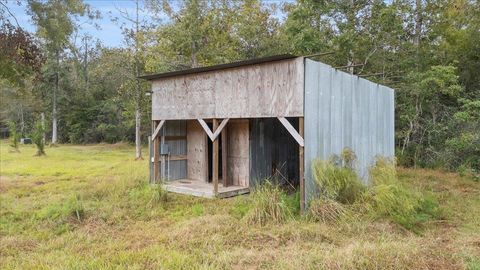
x=263 y=90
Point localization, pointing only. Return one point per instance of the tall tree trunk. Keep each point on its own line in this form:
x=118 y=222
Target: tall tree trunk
x=44 y=136
x=138 y=115
x=22 y=121
x=418 y=28
x=54 y=112
x=138 y=143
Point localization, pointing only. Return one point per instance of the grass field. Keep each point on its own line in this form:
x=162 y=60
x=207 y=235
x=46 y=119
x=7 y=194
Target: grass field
x=90 y=207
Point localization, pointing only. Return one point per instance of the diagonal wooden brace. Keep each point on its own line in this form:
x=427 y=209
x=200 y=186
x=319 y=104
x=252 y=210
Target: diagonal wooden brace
x=157 y=130
x=292 y=131
x=213 y=135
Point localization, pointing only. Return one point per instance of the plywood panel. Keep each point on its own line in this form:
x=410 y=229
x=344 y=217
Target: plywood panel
x=263 y=90
x=238 y=152
x=196 y=151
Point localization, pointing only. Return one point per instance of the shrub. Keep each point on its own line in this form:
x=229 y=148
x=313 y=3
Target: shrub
x=14 y=136
x=336 y=183
x=37 y=137
x=268 y=205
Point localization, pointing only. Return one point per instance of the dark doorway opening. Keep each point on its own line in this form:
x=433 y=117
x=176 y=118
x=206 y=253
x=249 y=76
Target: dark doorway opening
x=210 y=156
x=274 y=152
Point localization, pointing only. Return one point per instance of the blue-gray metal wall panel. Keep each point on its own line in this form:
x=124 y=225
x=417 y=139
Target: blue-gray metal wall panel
x=175 y=169
x=342 y=110
x=273 y=152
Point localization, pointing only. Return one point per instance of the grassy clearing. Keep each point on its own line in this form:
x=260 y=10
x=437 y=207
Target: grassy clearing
x=89 y=207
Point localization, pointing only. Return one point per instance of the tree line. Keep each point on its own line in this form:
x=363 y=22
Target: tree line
x=427 y=50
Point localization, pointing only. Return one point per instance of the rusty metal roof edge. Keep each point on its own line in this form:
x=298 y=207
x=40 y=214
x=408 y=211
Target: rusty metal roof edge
x=218 y=67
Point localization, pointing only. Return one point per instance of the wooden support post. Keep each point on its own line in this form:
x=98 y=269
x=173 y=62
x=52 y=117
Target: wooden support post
x=215 y=160
x=224 y=157
x=301 y=166
x=156 y=145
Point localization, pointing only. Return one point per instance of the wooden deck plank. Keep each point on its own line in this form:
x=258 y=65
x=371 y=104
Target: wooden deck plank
x=202 y=189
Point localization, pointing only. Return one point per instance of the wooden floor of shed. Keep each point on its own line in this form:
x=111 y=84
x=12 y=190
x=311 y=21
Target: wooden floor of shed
x=202 y=189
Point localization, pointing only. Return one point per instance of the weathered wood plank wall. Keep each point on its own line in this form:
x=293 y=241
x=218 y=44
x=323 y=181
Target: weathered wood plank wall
x=197 y=161
x=263 y=90
x=238 y=152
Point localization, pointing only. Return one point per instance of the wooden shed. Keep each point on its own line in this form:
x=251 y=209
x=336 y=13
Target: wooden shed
x=221 y=130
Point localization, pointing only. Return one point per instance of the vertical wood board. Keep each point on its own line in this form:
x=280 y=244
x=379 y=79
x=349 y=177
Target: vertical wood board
x=196 y=151
x=238 y=153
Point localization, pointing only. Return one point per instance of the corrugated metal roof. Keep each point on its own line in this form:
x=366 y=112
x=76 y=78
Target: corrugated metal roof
x=218 y=67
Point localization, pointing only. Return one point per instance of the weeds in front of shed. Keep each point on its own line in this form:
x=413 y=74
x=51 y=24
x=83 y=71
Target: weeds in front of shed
x=159 y=194
x=387 y=198
x=336 y=182
x=327 y=210
x=268 y=205
x=341 y=192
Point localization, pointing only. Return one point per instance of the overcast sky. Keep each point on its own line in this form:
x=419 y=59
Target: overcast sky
x=109 y=33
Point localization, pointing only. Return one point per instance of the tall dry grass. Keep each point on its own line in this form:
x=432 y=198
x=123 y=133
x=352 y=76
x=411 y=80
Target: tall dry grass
x=268 y=205
x=340 y=192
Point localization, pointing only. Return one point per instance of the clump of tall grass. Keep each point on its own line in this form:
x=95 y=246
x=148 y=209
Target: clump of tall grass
x=326 y=210
x=69 y=208
x=268 y=205
x=336 y=183
x=388 y=198
x=159 y=194
x=340 y=191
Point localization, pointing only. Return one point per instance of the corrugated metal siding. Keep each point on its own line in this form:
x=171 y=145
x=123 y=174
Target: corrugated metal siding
x=342 y=111
x=175 y=169
x=272 y=149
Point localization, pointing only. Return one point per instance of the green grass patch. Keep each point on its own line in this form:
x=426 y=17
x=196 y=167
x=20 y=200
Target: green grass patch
x=341 y=191
x=91 y=207
x=269 y=205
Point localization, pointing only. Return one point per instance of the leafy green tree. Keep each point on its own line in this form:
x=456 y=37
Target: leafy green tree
x=37 y=137
x=14 y=136
x=55 y=25
x=463 y=149
x=427 y=106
